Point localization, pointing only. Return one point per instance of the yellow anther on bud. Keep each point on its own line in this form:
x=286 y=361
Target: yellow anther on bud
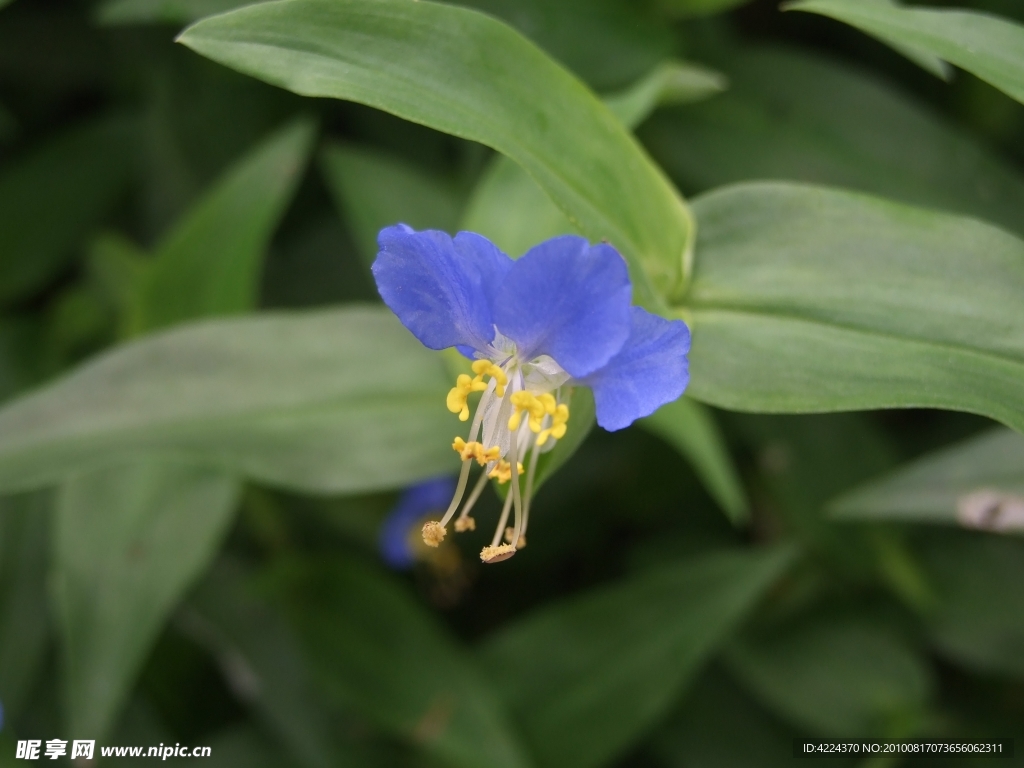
x=486 y=368
x=510 y=532
x=458 y=396
x=559 y=420
x=433 y=533
x=503 y=471
x=475 y=450
x=497 y=554
x=465 y=523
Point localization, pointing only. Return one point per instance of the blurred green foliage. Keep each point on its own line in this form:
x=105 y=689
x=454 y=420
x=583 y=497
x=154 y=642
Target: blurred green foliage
x=205 y=414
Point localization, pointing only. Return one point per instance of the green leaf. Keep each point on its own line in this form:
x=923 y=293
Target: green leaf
x=792 y=115
x=841 y=676
x=373 y=190
x=209 y=264
x=510 y=209
x=24 y=622
x=124 y=552
x=333 y=401
x=262 y=662
x=117 y=12
x=978 y=620
x=987 y=46
x=465 y=73
x=50 y=199
x=808 y=299
x=586 y=677
x=690 y=429
x=692 y=8
x=374 y=649
x=977 y=484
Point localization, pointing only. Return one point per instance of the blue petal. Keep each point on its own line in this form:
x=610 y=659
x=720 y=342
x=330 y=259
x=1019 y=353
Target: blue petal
x=567 y=299
x=649 y=371
x=416 y=503
x=441 y=289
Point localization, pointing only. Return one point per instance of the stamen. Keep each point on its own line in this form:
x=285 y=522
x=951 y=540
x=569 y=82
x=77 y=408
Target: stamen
x=559 y=420
x=486 y=368
x=458 y=396
x=502 y=471
x=510 y=532
x=537 y=407
x=475 y=450
x=460 y=489
x=495 y=554
x=433 y=533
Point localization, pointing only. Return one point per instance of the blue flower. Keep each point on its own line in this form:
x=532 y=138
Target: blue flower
x=558 y=317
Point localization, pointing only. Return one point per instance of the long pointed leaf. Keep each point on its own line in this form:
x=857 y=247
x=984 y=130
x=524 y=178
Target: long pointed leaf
x=467 y=74
x=331 y=401
x=807 y=299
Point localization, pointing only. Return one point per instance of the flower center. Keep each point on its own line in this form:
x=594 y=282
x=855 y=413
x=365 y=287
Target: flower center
x=519 y=413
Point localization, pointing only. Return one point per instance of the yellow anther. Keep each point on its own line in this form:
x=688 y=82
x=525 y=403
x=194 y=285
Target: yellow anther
x=458 y=396
x=539 y=406
x=465 y=523
x=559 y=420
x=513 y=422
x=464 y=449
x=497 y=554
x=536 y=407
x=510 y=532
x=503 y=471
x=433 y=533
x=475 y=450
x=486 y=368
